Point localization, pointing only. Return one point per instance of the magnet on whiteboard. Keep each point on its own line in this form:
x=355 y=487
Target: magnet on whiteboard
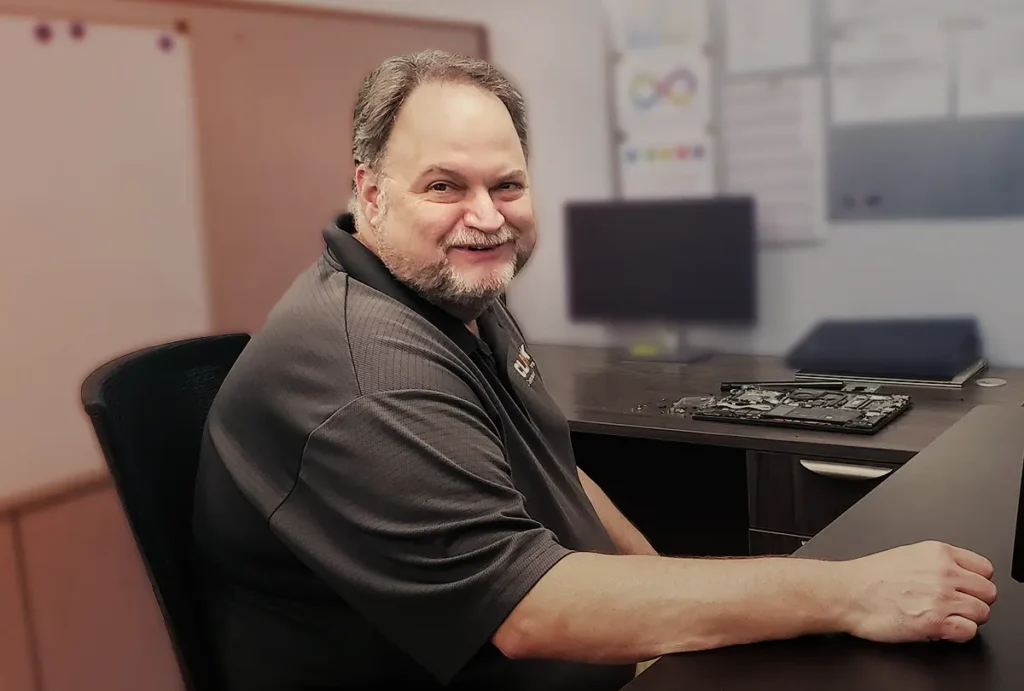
x=43 y=32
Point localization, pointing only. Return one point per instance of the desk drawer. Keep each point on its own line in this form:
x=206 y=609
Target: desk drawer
x=800 y=496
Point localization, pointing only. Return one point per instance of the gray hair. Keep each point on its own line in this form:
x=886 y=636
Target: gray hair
x=386 y=88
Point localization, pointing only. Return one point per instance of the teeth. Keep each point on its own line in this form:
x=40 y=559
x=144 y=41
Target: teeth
x=479 y=247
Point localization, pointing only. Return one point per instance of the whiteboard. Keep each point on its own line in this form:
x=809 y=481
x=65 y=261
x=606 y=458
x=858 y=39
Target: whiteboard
x=100 y=226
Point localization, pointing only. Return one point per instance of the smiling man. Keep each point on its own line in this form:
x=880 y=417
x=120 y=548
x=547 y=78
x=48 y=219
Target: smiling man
x=387 y=496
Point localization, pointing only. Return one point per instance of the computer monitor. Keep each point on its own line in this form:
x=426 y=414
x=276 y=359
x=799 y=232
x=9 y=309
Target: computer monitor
x=679 y=262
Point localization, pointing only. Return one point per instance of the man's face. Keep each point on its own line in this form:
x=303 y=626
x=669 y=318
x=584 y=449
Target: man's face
x=451 y=213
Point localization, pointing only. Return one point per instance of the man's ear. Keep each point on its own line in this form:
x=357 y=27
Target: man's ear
x=368 y=194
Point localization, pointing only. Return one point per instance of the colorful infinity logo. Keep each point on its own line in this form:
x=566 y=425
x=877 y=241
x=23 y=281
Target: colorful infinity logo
x=677 y=88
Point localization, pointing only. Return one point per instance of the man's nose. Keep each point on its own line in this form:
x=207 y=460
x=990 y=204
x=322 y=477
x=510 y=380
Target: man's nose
x=482 y=214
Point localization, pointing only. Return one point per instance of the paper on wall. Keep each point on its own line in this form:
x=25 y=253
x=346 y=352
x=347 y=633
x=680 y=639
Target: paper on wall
x=860 y=10
x=667 y=165
x=990 y=66
x=662 y=87
x=767 y=35
x=892 y=72
x=773 y=138
x=645 y=24
x=842 y=11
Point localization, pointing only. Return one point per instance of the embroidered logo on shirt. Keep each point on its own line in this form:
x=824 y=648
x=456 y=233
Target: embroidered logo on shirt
x=525 y=366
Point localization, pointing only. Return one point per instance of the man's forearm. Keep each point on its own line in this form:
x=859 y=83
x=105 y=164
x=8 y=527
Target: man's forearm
x=619 y=609
x=624 y=534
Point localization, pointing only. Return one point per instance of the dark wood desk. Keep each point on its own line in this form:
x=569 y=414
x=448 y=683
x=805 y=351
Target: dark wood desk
x=963 y=489
x=696 y=487
x=599 y=394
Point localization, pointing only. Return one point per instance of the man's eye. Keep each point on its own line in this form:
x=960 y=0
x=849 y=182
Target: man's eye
x=510 y=186
x=440 y=187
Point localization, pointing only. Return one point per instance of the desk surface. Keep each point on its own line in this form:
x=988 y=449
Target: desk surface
x=961 y=489
x=600 y=393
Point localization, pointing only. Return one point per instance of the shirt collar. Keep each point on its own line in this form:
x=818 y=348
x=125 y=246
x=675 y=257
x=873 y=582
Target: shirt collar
x=366 y=267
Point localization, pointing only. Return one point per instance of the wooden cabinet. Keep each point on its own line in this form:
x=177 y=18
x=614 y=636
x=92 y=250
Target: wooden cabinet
x=95 y=616
x=77 y=611
x=15 y=654
x=793 y=496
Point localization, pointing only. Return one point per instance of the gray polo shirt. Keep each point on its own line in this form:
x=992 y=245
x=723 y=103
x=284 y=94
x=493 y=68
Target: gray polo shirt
x=379 y=488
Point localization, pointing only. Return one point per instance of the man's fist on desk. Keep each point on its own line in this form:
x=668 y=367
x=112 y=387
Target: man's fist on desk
x=925 y=591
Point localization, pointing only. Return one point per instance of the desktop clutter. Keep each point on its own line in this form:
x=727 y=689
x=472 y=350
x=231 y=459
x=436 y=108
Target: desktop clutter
x=693 y=262
x=841 y=369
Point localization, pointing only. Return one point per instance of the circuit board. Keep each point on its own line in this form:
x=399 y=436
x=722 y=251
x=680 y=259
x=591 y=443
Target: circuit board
x=830 y=411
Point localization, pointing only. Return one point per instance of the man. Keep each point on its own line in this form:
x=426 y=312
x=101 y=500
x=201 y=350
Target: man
x=387 y=496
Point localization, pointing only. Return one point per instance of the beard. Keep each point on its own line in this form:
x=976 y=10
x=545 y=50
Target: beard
x=442 y=284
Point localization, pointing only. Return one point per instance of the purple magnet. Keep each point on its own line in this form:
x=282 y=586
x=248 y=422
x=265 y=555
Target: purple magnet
x=43 y=32
x=77 y=30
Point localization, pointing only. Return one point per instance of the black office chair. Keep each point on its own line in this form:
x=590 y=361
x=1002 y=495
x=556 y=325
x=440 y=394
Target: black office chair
x=148 y=409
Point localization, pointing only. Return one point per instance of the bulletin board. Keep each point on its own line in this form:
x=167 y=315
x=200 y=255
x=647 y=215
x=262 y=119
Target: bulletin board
x=824 y=110
x=100 y=223
x=927 y=109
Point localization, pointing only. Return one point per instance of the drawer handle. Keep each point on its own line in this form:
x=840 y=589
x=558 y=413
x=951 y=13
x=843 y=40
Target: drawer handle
x=845 y=471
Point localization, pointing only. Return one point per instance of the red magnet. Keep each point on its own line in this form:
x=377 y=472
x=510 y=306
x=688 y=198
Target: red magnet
x=43 y=32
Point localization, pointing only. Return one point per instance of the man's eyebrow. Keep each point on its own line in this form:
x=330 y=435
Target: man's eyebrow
x=514 y=174
x=442 y=170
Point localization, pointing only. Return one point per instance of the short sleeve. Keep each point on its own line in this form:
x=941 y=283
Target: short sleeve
x=404 y=503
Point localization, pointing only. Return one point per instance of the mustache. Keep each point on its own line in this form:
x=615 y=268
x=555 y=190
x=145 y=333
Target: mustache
x=465 y=238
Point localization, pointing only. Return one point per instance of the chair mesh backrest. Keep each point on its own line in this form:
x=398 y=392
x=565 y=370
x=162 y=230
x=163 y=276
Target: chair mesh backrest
x=149 y=409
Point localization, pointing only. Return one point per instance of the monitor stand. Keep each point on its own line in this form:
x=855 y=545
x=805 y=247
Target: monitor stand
x=665 y=345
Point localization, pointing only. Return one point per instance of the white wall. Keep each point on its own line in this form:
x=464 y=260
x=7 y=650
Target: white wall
x=898 y=270
x=554 y=49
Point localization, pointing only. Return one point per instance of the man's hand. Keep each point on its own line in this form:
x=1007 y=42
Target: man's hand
x=925 y=591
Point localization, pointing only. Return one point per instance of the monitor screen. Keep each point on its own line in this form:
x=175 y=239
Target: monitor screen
x=685 y=261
